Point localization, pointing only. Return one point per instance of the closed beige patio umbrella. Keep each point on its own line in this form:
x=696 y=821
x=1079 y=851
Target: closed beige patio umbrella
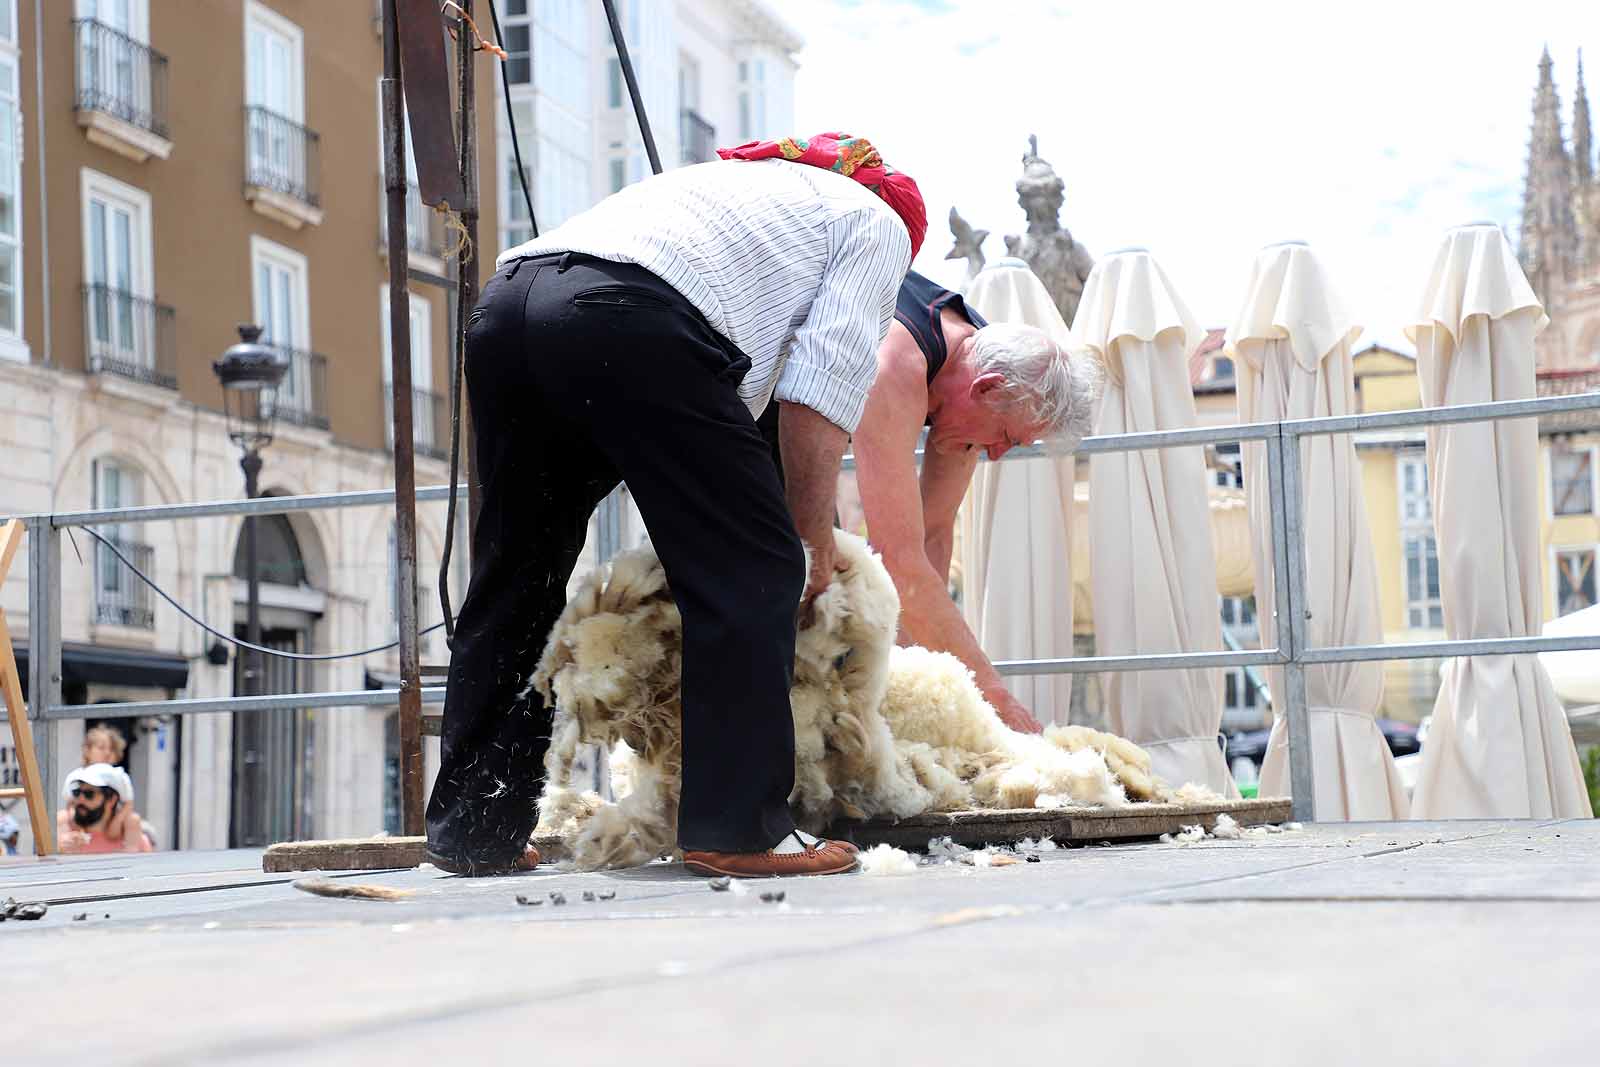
x=1017 y=524
x=1153 y=573
x=1500 y=746
x=1291 y=346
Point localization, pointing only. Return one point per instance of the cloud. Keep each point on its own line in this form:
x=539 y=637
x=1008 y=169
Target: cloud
x=1202 y=130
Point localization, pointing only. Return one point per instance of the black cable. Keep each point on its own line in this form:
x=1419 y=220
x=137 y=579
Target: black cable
x=511 y=118
x=186 y=613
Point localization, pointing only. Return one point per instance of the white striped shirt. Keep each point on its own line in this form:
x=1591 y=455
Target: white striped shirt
x=797 y=266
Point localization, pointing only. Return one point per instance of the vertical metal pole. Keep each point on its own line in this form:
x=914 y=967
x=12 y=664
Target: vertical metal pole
x=467 y=265
x=1302 y=775
x=405 y=474
x=633 y=86
x=253 y=677
x=44 y=653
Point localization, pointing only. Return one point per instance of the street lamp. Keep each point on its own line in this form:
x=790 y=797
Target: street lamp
x=250 y=373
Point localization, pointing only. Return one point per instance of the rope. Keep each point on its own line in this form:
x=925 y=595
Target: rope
x=264 y=650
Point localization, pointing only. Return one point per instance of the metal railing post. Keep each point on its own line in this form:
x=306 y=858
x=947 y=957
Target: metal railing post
x=44 y=652
x=1290 y=568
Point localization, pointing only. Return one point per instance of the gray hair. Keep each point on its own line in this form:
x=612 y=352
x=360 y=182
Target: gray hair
x=1058 y=389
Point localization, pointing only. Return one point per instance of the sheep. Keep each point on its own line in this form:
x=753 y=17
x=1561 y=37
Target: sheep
x=880 y=731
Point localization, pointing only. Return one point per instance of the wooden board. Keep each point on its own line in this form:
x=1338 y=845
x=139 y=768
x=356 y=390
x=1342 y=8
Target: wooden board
x=972 y=828
x=1065 y=825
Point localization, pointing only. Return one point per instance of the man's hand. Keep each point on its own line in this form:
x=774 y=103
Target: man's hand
x=825 y=563
x=812 y=448
x=1012 y=713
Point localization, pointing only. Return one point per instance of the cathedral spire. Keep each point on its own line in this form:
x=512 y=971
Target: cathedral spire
x=1548 y=239
x=1582 y=146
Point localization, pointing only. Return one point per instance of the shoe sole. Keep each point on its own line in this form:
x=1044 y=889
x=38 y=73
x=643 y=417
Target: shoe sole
x=699 y=867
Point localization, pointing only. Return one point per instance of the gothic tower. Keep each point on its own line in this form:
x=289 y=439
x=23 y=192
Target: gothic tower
x=1586 y=190
x=1549 y=233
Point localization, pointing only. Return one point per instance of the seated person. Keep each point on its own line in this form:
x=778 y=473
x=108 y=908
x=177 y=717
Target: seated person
x=94 y=797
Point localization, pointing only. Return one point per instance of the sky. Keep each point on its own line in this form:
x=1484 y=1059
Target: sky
x=1203 y=131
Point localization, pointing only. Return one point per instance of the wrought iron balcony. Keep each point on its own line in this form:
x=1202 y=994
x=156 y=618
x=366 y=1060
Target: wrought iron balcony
x=281 y=167
x=129 y=336
x=303 y=393
x=424 y=226
x=697 y=138
x=430 y=421
x=122 y=91
x=120 y=598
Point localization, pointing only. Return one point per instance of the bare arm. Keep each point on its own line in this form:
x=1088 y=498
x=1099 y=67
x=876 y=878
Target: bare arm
x=812 y=449
x=945 y=479
x=885 y=448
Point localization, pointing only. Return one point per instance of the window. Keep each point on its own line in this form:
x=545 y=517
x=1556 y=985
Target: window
x=11 y=343
x=613 y=83
x=619 y=174
x=425 y=407
x=1420 y=551
x=1575 y=580
x=277 y=141
x=119 y=269
x=1572 y=480
x=1238 y=611
x=1227 y=456
x=282 y=309
x=519 y=32
x=688 y=83
x=274 y=63
x=120 y=598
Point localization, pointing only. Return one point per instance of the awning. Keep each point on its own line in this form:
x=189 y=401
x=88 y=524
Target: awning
x=102 y=664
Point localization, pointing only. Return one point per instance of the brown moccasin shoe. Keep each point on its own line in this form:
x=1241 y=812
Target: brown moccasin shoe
x=825 y=857
x=473 y=869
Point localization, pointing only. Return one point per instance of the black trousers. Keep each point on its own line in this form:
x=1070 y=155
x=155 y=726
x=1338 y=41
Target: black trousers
x=582 y=373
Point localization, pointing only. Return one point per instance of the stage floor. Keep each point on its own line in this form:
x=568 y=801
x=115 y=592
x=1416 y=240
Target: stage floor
x=1416 y=943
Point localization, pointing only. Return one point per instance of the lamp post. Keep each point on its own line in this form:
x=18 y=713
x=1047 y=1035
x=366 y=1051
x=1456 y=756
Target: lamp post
x=250 y=373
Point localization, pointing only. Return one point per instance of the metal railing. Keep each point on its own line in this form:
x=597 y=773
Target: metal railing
x=120 y=598
x=697 y=138
x=129 y=336
x=424 y=226
x=121 y=77
x=303 y=394
x=281 y=155
x=1288 y=596
x=430 y=426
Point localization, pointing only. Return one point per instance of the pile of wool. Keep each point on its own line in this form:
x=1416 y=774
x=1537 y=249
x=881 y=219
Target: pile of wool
x=880 y=731
x=886 y=861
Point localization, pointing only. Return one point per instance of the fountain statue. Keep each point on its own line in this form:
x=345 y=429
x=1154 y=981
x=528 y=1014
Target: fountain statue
x=1061 y=263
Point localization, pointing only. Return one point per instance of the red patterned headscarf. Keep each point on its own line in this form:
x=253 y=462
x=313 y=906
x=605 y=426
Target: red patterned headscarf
x=855 y=158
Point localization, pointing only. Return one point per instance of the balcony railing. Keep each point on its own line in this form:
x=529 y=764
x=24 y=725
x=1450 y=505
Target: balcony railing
x=120 y=598
x=303 y=393
x=424 y=226
x=697 y=138
x=430 y=421
x=121 y=77
x=281 y=156
x=130 y=336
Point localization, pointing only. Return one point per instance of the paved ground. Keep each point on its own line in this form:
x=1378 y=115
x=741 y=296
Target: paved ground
x=1411 y=943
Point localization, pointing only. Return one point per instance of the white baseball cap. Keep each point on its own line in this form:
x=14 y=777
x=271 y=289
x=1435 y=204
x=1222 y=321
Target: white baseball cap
x=102 y=776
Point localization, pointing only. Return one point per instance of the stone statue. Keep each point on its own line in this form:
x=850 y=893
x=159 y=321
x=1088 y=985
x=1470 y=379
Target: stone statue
x=969 y=244
x=1061 y=263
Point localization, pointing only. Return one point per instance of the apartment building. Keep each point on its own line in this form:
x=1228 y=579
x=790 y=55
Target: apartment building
x=168 y=170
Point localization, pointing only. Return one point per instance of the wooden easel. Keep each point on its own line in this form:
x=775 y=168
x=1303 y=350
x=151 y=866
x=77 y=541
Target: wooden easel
x=32 y=790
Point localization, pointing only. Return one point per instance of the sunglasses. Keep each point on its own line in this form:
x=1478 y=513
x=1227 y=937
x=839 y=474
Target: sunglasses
x=86 y=793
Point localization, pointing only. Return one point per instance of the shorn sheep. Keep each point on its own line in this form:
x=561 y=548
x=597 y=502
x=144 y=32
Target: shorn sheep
x=879 y=730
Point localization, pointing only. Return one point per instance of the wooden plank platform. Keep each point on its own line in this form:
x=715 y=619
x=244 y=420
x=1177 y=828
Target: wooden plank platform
x=972 y=828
